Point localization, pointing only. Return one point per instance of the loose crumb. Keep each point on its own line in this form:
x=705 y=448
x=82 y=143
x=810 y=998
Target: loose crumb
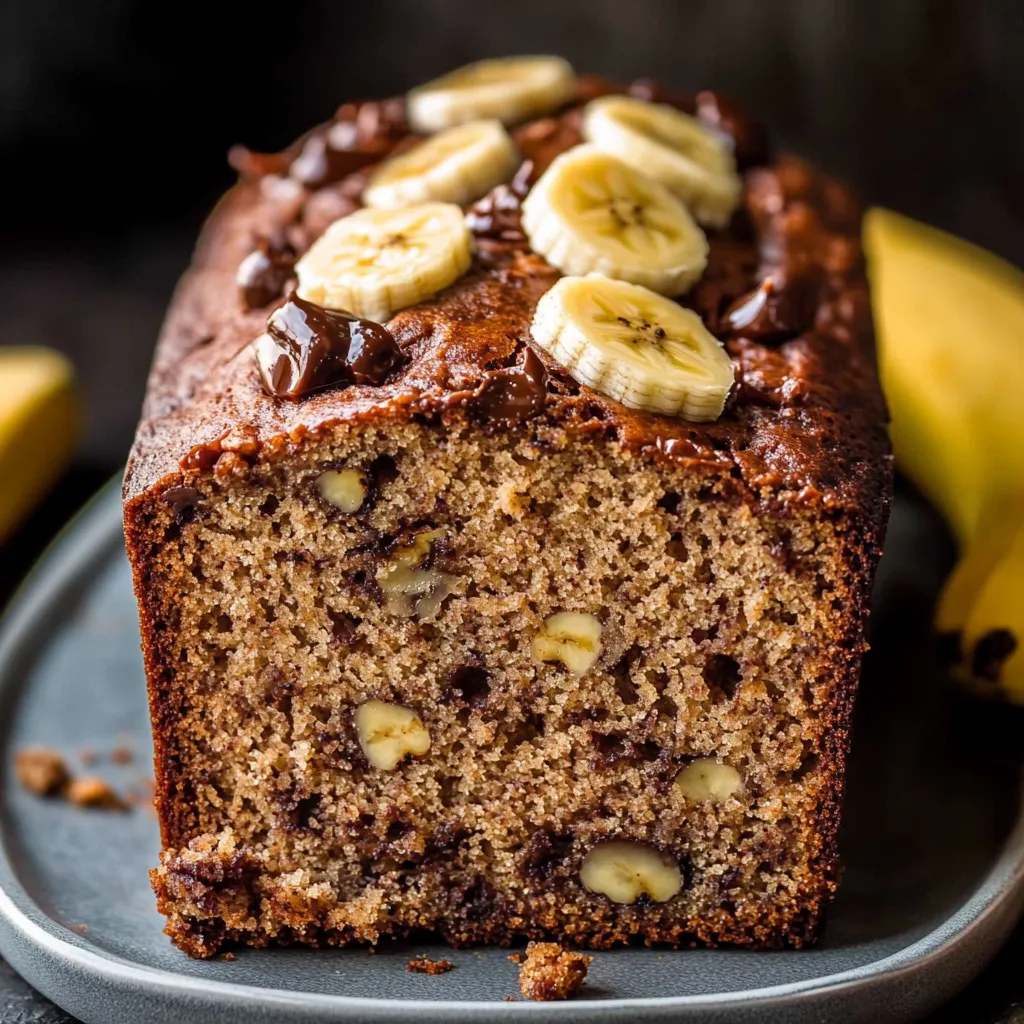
x=88 y=756
x=80 y=928
x=93 y=792
x=510 y=999
x=549 y=972
x=122 y=755
x=424 y=965
x=40 y=771
x=228 y=957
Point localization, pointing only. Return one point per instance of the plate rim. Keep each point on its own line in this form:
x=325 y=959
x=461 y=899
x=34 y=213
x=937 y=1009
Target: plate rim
x=35 y=944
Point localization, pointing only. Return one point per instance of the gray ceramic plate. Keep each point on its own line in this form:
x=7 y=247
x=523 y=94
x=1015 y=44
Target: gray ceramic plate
x=933 y=843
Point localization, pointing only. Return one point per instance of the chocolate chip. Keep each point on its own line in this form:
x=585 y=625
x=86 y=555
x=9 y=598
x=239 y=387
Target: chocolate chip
x=307 y=347
x=263 y=274
x=183 y=502
x=544 y=854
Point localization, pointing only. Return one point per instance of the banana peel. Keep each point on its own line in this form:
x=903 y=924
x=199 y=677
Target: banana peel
x=950 y=322
x=38 y=426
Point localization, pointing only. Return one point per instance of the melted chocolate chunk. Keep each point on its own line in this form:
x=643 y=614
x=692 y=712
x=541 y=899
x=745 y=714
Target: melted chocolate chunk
x=361 y=134
x=307 y=347
x=750 y=140
x=183 y=502
x=496 y=217
x=263 y=274
x=780 y=307
x=510 y=396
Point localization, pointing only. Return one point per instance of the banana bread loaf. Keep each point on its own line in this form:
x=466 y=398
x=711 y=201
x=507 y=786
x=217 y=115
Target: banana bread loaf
x=503 y=568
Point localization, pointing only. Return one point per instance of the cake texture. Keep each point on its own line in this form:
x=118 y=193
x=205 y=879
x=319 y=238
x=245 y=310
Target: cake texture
x=355 y=590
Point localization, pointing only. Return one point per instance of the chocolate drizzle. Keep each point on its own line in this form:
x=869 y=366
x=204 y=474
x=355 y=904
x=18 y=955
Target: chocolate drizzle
x=263 y=274
x=307 y=347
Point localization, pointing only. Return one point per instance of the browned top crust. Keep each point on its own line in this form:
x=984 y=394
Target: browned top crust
x=805 y=424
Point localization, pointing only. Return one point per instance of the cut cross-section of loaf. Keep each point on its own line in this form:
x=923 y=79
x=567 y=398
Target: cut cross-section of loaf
x=459 y=642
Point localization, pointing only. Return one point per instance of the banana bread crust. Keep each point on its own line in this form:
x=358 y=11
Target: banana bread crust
x=803 y=436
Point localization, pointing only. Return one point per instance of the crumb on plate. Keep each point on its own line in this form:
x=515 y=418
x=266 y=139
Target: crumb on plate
x=424 y=965
x=549 y=972
x=41 y=771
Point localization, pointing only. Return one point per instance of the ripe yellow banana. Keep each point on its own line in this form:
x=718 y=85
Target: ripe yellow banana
x=38 y=423
x=950 y=320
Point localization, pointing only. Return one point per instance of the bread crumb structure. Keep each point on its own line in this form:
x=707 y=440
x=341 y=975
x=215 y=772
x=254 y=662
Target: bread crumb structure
x=472 y=647
x=547 y=972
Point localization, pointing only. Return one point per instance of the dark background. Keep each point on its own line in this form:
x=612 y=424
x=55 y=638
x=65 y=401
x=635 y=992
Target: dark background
x=116 y=116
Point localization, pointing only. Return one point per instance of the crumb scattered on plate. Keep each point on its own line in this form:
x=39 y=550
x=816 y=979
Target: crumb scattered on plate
x=548 y=971
x=93 y=792
x=424 y=965
x=122 y=755
x=41 y=771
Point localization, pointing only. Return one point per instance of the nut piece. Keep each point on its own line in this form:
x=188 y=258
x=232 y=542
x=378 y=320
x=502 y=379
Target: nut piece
x=573 y=638
x=623 y=870
x=389 y=732
x=409 y=589
x=513 y=499
x=41 y=771
x=345 y=489
x=708 y=779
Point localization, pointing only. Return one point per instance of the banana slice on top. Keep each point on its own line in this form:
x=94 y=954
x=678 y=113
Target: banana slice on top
x=510 y=89
x=456 y=166
x=635 y=346
x=591 y=213
x=676 y=149
x=375 y=262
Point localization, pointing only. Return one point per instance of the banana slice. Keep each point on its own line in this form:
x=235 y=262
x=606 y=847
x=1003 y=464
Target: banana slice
x=457 y=166
x=591 y=213
x=676 y=149
x=635 y=346
x=375 y=262
x=510 y=89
